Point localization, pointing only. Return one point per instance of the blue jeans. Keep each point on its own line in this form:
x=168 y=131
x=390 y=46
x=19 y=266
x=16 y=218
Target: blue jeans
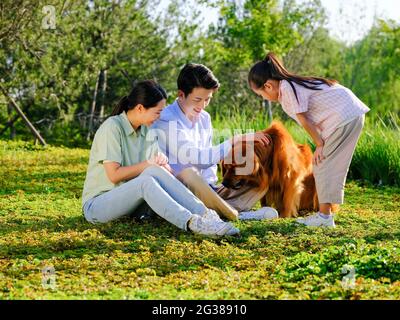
x=165 y=195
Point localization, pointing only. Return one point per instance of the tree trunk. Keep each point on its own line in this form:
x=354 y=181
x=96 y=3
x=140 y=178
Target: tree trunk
x=10 y=123
x=268 y=106
x=28 y=123
x=103 y=97
x=93 y=108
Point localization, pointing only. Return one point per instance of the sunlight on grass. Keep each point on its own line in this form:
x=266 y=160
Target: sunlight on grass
x=41 y=225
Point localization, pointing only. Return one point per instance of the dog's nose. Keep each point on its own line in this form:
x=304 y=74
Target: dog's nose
x=230 y=184
x=225 y=183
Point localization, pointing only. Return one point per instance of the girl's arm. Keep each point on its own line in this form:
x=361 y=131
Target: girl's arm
x=312 y=131
x=310 y=128
x=117 y=173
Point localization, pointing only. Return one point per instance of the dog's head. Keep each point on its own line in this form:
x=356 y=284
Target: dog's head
x=247 y=164
x=257 y=165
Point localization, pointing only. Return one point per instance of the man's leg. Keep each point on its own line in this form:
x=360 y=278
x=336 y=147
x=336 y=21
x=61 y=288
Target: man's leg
x=193 y=180
x=242 y=199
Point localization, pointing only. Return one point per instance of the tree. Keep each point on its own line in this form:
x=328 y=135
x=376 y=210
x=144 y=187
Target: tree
x=55 y=71
x=372 y=70
x=245 y=33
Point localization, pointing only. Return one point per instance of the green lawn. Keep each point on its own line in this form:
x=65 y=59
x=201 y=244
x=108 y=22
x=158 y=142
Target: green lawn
x=41 y=225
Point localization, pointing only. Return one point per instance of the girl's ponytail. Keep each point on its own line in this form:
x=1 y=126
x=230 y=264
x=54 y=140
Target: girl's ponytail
x=276 y=67
x=271 y=68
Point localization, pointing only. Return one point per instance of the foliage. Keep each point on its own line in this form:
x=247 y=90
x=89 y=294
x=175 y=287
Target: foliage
x=371 y=69
x=53 y=73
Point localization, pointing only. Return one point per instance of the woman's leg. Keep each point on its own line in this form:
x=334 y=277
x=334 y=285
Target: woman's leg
x=124 y=199
x=176 y=189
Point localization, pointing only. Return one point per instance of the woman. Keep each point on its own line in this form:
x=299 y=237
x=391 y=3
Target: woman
x=126 y=168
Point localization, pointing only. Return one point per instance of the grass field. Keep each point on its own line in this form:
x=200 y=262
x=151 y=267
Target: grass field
x=41 y=226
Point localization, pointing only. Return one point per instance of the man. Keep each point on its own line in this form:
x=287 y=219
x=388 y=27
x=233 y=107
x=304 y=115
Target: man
x=185 y=136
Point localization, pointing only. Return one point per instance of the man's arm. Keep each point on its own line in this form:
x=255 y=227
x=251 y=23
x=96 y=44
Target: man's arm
x=181 y=148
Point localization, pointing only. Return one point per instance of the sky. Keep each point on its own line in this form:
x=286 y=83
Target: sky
x=348 y=20
x=360 y=13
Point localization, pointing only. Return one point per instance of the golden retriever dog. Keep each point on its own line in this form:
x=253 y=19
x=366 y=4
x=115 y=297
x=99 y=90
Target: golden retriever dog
x=283 y=169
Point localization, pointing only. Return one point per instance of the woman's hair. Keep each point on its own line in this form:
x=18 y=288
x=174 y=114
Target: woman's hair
x=196 y=76
x=147 y=93
x=272 y=68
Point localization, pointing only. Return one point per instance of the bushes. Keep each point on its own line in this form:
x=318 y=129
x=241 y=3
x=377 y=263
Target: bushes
x=377 y=157
x=367 y=260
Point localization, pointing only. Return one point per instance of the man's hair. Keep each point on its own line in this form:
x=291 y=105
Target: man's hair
x=196 y=76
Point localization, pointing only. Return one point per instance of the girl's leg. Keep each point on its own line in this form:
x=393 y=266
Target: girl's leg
x=330 y=175
x=124 y=199
x=325 y=208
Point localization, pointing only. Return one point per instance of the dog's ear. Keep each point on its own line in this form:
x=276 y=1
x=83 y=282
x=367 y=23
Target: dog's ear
x=261 y=173
x=222 y=165
x=264 y=154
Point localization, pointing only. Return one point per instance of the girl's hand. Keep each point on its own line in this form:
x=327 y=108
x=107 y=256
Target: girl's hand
x=318 y=155
x=257 y=136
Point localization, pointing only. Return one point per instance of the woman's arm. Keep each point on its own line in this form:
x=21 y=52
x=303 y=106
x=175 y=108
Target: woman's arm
x=312 y=131
x=117 y=173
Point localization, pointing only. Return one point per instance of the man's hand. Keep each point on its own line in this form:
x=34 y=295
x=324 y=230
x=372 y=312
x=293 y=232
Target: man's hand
x=257 y=136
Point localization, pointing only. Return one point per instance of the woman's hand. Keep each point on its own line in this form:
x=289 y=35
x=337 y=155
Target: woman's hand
x=160 y=159
x=168 y=168
x=257 y=136
x=116 y=173
x=318 y=155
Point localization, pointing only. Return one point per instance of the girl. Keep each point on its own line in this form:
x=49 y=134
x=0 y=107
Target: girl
x=126 y=169
x=331 y=114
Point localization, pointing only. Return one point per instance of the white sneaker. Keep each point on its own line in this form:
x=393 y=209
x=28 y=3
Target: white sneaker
x=261 y=214
x=316 y=220
x=233 y=231
x=211 y=227
x=214 y=216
